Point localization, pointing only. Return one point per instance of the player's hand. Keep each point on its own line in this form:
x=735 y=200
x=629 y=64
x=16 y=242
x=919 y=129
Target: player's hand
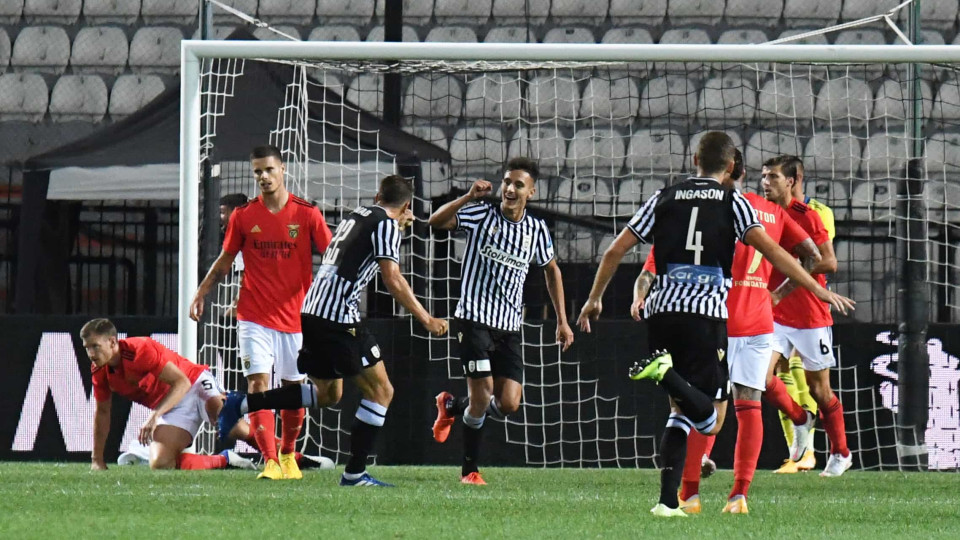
x=590 y=312
x=564 y=336
x=196 y=308
x=98 y=465
x=146 y=432
x=841 y=303
x=636 y=309
x=437 y=327
x=406 y=219
x=480 y=188
x=775 y=298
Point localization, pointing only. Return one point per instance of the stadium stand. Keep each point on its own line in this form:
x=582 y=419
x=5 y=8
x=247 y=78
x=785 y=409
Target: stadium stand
x=470 y=12
x=221 y=15
x=632 y=12
x=591 y=12
x=417 y=12
x=111 y=11
x=812 y=13
x=78 y=98
x=169 y=11
x=477 y=150
x=266 y=34
x=785 y=99
x=946 y=106
x=41 y=49
x=438 y=96
x=684 y=36
x=753 y=12
x=631 y=193
x=11 y=11
x=52 y=11
x=685 y=12
x=829 y=191
x=220 y=31
x=845 y=100
x=816 y=39
x=596 y=152
x=100 y=49
x=858 y=9
x=884 y=156
x=656 y=151
x=334 y=33
x=872 y=201
x=156 y=50
x=627 y=35
x=740 y=36
x=668 y=96
x=936 y=14
x=5 y=51
x=553 y=97
x=452 y=34
x=131 y=93
x=543 y=143
x=366 y=92
x=569 y=35
x=495 y=95
x=860 y=36
x=522 y=11
x=942 y=155
x=616 y=101
x=889 y=106
x=583 y=196
x=355 y=12
x=510 y=34
x=287 y=11
x=763 y=145
x=832 y=156
x=727 y=100
x=408 y=34
x=23 y=97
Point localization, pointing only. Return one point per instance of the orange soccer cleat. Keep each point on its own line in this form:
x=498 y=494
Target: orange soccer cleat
x=444 y=421
x=473 y=478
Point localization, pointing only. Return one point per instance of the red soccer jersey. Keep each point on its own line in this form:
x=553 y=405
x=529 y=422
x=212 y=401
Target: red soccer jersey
x=801 y=309
x=277 y=258
x=137 y=377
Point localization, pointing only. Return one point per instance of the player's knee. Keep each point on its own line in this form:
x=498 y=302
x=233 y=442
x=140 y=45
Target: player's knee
x=385 y=393
x=509 y=404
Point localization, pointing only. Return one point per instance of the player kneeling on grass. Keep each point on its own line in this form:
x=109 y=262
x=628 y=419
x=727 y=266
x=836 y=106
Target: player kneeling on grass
x=181 y=394
x=335 y=342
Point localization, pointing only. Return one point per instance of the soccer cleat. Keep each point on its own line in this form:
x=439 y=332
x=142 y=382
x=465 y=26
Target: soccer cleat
x=129 y=458
x=789 y=467
x=315 y=462
x=229 y=415
x=237 y=461
x=707 y=467
x=271 y=471
x=473 y=479
x=662 y=510
x=808 y=462
x=444 y=421
x=691 y=505
x=736 y=505
x=652 y=367
x=289 y=468
x=365 y=480
x=801 y=437
x=837 y=465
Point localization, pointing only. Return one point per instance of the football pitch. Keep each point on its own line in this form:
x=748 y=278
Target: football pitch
x=46 y=500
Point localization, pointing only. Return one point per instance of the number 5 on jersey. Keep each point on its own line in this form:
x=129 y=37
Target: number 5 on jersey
x=332 y=254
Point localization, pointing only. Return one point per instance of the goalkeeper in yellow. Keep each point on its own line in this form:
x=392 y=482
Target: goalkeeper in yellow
x=791 y=372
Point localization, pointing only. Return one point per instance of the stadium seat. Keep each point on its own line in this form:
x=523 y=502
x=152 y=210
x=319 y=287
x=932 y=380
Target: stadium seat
x=666 y=99
x=569 y=35
x=928 y=72
x=451 y=34
x=934 y=14
x=656 y=151
x=23 y=97
x=744 y=36
x=753 y=12
x=816 y=39
x=417 y=12
x=652 y=13
x=727 y=101
x=830 y=192
x=942 y=156
x=553 y=96
x=52 y=11
x=409 y=35
x=220 y=31
x=764 y=145
x=860 y=9
x=615 y=101
x=596 y=152
x=478 y=150
x=836 y=157
x=131 y=92
x=630 y=35
x=864 y=258
x=573 y=243
x=436 y=179
x=438 y=96
x=156 y=50
x=943 y=201
x=585 y=195
x=42 y=49
x=544 y=144
x=353 y=12
x=495 y=96
x=684 y=12
x=522 y=12
x=634 y=192
x=873 y=201
x=100 y=49
x=111 y=11
x=870 y=72
x=78 y=98
x=510 y=34
x=885 y=156
x=472 y=12
x=334 y=33
x=889 y=105
x=366 y=91
x=946 y=107
x=266 y=34
x=169 y=11
x=685 y=36
x=591 y=12
x=222 y=16
x=785 y=100
x=813 y=13
x=287 y=11
x=428 y=132
x=5 y=51
x=844 y=101
x=11 y=11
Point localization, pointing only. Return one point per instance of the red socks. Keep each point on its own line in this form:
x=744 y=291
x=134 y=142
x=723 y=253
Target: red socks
x=696 y=443
x=777 y=396
x=749 y=441
x=709 y=448
x=290 y=423
x=833 y=424
x=263 y=427
x=196 y=462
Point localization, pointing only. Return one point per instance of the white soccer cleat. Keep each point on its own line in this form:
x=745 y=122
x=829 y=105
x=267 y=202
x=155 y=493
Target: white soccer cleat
x=801 y=438
x=316 y=462
x=837 y=465
x=129 y=458
x=237 y=461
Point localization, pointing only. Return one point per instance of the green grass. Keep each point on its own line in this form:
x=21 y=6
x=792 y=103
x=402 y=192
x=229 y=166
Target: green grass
x=68 y=501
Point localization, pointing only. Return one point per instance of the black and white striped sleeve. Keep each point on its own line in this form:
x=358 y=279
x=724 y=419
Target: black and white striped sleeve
x=471 y=215
x=543 y=251
x=386 y=241
x=744 y=218
x=641 y=224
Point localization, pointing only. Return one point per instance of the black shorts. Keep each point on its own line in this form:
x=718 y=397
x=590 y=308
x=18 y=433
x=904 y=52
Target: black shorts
x=486 y=352
x=333 y=351
x=699 y=349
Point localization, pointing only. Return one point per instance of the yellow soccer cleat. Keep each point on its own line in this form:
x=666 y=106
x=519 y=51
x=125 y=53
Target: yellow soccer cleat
x=652 y=367
x=289 y=467
x=736 y=505
x=808 y=461
x=271 y=471
x=662 y=510
x=789 y=467
x=691 y=505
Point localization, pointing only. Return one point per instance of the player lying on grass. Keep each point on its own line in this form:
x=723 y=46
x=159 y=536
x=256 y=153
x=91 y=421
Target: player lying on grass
x=138 y=454
x=181 y=394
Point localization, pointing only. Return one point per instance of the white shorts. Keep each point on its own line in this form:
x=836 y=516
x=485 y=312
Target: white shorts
x=815 y=345
x=192 y=409
x=748 y=358
x=265 y=350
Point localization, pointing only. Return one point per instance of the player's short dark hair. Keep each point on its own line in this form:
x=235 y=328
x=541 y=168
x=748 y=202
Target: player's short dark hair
x=233 y=200
x=738 y=168
x=789 y=165
x=715 y=152
x=265 y=151
x=523 y=163
x=395 y=190
x=98 y=327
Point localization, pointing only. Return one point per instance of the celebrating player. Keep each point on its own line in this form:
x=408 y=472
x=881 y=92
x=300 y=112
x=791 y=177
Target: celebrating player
x=502 y=241
x=273 y=233
x=801 y=322
x=181 y=394
x=336 y=344
x=694 y=226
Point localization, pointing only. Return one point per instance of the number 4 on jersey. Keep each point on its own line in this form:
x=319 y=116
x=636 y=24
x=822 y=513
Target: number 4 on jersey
x=694 y=237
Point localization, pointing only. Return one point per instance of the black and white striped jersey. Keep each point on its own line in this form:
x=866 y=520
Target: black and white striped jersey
x=350 y=262
x=694 y=226
x=495 y=264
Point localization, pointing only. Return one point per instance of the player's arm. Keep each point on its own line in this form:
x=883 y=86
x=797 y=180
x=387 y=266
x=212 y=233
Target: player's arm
x=784 y=262
x=179 y=386
x=642 y=285
x=101 y=428
x=446 y=216
x=551 y=272
x=608 y=266
x=400 y=289
x=828 y=259
x=809 y=258
x=218 y=270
